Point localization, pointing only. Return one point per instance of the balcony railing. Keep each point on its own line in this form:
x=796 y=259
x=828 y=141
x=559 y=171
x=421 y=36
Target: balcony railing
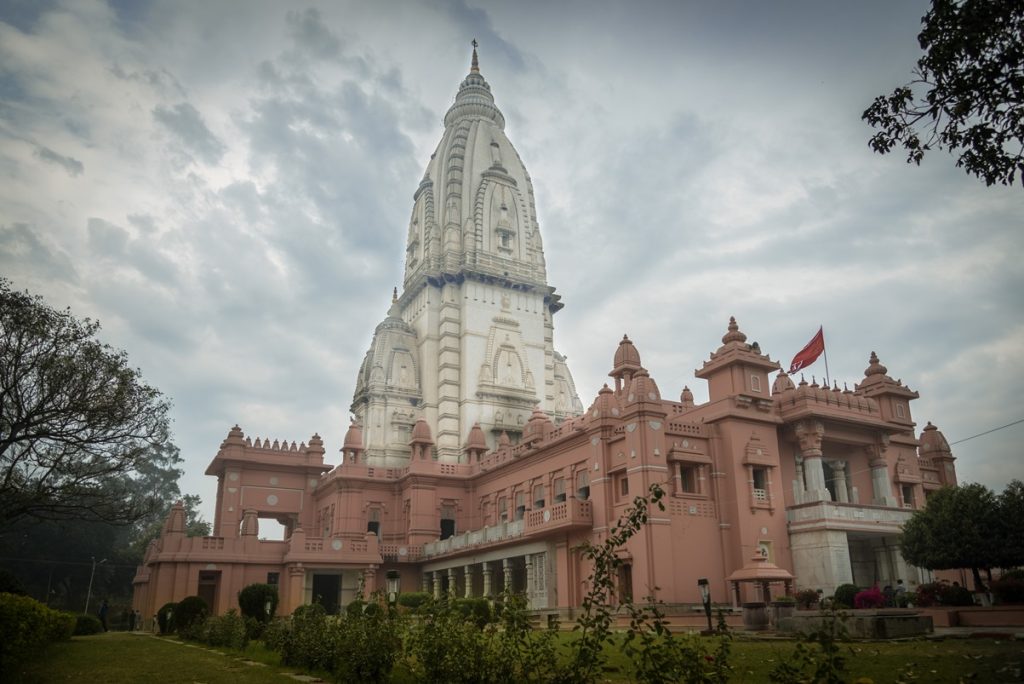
x=572 y=513
x=846 y=516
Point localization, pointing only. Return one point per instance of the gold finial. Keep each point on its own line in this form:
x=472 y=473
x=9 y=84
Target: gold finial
x=475 y=66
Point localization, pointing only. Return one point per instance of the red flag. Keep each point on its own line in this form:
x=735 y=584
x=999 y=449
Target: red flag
x=809 y=354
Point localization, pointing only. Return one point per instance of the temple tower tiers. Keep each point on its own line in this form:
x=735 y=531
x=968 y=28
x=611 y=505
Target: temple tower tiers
x=470 y=337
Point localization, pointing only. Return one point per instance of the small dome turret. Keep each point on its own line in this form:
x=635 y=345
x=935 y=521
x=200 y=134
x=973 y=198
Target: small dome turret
x=605 y=405
x=733 y=334
x=686 y=397
x=421 y=433
x=875 y=367
x=353 y=437
x=643 y=388
x=782 y=383
x=476 y=440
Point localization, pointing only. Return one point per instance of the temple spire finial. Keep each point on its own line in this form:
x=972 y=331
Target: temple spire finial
x=394 y=295
x=475 y=65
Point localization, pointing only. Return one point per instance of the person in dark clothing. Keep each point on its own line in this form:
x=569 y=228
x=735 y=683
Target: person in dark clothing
x=131 y=621
x=103 y=614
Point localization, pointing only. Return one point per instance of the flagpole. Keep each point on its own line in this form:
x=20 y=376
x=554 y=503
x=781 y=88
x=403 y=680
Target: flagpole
x=824 y=351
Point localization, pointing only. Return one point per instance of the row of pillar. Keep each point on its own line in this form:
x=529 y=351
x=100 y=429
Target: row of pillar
x=810 y=470
x=433 y=579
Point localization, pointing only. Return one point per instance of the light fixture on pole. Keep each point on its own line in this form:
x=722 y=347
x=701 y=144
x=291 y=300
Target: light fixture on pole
x=88 y=594
x=705 y=597
x=392 y=580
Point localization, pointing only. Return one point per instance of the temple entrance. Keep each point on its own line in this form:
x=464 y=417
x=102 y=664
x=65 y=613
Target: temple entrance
x=326 y=592
x=207 y=590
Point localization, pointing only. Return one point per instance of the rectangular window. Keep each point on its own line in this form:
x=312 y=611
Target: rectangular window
x=520 y=505
x=900 y=412
x=502 y=509
x=622 y=486
x=373 y=521
x=273 y=578
x=755 y=383
x=761 y=485
x=689 y=478
x=538 y=497
x=908 y=495
x=447 y=521
x=559 y=490
x=583 y=485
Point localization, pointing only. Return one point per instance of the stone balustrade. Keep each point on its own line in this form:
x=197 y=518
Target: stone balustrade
x=846 y=516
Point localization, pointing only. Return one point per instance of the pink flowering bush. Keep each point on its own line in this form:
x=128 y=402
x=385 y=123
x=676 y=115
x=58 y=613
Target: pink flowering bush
x=869 y=598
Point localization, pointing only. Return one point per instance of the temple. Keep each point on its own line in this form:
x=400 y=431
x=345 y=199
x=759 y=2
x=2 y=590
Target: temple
x=471 y=466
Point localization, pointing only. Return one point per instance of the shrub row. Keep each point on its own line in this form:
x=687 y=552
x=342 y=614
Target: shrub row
x=27 y=627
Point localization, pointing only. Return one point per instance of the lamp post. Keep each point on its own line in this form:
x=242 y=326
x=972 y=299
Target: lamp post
x=705 y=597
x=88 y=594
x=392 y=581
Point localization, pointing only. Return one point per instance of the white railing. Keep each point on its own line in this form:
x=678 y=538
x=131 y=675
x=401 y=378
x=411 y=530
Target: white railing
x=846 y=515
x=499 y=532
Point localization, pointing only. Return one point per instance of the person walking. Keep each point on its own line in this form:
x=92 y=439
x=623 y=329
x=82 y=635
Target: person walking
x=104 y=608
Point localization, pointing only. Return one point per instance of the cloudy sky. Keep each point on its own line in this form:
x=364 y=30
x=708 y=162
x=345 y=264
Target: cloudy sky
x=226 y=186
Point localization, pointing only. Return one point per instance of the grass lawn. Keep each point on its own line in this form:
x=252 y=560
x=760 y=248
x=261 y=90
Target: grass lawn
x=119 y=657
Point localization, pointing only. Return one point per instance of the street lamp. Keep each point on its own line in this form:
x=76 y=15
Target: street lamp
x=705 y=597
x=88 y=594
x=392 y=580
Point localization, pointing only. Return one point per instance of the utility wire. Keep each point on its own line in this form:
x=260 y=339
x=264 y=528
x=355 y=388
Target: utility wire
x=987 y=431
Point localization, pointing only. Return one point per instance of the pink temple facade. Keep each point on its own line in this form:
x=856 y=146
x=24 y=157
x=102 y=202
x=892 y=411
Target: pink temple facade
x=817 y=480
x=472 y=466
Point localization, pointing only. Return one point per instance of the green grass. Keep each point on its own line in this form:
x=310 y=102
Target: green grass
x=122 y=657
x=119 y=657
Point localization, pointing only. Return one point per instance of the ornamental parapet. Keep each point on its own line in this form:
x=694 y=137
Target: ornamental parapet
x=834 y=515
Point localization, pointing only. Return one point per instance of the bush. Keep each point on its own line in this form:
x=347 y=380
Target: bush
x=27 y=627
x=1009 y=589
x=869 y=598
x=413 y=600
x=87 y=624
x=10 y=584
x=225 y=630
x=311 y=640
x=845 y=594
x=906 y=600
x=276 y=634
x=253 y=600
x=943 y=594
x=368 y=644
x=355 y=608
x=806 y=599
x=191 y=610
x=164 y=615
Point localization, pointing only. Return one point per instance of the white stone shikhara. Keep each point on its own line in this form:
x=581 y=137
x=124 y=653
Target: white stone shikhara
x=470 y=338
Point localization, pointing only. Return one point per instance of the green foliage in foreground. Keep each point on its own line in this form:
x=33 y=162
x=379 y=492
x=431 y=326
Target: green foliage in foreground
x=27 y=627
x=122 y=658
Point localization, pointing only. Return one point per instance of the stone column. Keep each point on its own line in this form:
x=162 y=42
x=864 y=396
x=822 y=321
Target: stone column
x=798 y=482
x=467 y=574
x=425 y=582
x=506 y=566
x=880 y=485
x=437 y=585
x=452 y=582
x=839 y=471
x=810 y=433
x=370 y=580
x=529 y=580
x=487 y=579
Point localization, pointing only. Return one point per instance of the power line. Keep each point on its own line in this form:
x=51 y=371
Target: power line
x=987 y=431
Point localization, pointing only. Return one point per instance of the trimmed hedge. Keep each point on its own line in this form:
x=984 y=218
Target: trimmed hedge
x=845 y=594
x=27 y=627
x=253 y=599
x=191 y=611
x=87 y=624
x=414 y=599
x=164 y=617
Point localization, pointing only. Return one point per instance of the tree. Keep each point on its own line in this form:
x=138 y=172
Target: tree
x=959 y=527
x=973 y=105
x=1011 y=513
x=76 y=421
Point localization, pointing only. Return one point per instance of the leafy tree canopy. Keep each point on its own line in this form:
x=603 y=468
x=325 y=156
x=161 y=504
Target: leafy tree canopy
x=77 y=423
x=964 y=527
x=972 y=78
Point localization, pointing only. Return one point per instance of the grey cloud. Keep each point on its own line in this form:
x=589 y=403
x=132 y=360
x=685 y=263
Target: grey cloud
x=309 y=32
x=20 y=243
x=106 y=238
x=144 y=222
x=161 y=80
x=185 y=122
x=70 y=164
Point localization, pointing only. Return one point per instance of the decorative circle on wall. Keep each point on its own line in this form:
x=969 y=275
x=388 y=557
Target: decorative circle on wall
x=233 y=477
x=764 y=530
x=272 y=499
x=336 y=545
x=313 y=482
x=403 y=551
x=547 y=516
x=686 y=443
x=274 y=481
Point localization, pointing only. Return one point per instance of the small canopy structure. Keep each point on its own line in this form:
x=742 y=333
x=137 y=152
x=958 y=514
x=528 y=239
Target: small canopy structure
x=762 y=573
